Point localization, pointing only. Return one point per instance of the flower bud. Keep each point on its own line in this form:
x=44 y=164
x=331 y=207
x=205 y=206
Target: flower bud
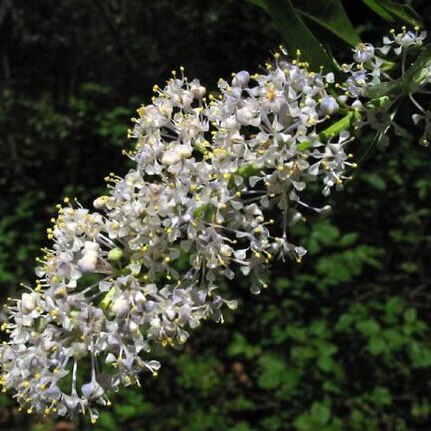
x=100 y=202
x=184 y=151
x=133 y=327
x=115 y=254
x=28 y=303
x=92 y=390
x=241 y=79
x=91 y=246
x=120 y=307
x=171 y=157
x=170 y=313
x=198 y=91
x=88 y=262
x=225 y=250
x=78 y=350
x=328 y=105
x=326 y=210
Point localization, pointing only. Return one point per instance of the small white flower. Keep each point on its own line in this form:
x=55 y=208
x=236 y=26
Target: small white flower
x=28 y=302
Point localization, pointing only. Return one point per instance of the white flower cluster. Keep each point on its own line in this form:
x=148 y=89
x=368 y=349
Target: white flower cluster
x=210 y=178
x=387 y=67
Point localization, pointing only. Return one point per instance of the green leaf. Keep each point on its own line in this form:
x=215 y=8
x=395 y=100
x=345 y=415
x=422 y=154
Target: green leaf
x=330 y=15
x=303 y=422
x=260 y=3
x=394 y=305
x=240 y=346
x=242 y=426
x=344 y=322
x=379 y=10
x=348 y=239
x=326 y=363
x=273 y=370
x=302 y=354
x=368 y=327
x=320 y=413
x=392 y=11
x=410 y=315
x=375 y=181
x=420 y=355
x=381 y=396
x=376 y=345
x=296 y=35
x=394 y=338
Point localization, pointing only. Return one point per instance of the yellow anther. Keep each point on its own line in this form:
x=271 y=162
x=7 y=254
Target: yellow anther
x=270 y=95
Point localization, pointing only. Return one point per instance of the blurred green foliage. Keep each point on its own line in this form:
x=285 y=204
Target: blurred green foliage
x=341 y=342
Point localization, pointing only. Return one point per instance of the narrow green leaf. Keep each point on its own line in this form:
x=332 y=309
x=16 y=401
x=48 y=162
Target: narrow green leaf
x=296 y=34
x=392 y=11
x=330 y=15
x=260 y=3
x=379 y=10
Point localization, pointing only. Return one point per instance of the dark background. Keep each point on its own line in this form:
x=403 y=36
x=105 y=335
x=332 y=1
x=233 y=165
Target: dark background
x=341 y=342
